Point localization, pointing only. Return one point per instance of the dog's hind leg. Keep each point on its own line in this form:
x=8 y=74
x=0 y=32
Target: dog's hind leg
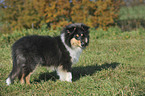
x=14 y=73
x=28 y=78
x=18 y=62
x=22 y=78
x=28 y=70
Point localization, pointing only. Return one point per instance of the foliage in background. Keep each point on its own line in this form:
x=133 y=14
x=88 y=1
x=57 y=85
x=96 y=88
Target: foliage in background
x=106 y=13
x=57 y=13
x=19 y=14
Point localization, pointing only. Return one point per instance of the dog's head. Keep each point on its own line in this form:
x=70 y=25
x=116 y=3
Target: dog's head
x=76 y=35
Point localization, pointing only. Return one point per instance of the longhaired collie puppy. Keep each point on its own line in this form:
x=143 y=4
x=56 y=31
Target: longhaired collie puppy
x=58 y=52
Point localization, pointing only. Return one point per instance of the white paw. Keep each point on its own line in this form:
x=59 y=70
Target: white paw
x=8 y=81
x=69 y=77
x=64 y=75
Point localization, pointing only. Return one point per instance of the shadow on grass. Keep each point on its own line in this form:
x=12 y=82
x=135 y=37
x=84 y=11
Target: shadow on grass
x=89 y=70
x=78 y=72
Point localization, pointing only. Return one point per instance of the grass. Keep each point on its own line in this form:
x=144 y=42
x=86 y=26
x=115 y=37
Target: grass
x=112 y=65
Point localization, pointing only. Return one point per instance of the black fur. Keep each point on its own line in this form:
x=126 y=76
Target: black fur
x=29 y=51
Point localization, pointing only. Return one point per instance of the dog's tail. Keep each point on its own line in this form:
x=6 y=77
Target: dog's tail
x=16 y=69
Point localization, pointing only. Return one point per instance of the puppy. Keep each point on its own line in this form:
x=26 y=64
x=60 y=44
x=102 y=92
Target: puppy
x=58 y=52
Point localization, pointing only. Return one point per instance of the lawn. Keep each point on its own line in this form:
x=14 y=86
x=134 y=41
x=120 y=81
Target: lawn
x=112 y=65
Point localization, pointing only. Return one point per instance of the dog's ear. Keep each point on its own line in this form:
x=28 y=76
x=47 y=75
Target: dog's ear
x=71 y=30
x=85 y=27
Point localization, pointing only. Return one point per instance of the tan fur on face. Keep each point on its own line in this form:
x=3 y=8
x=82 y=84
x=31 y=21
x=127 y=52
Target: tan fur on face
x=77 y=35
x=75 y=43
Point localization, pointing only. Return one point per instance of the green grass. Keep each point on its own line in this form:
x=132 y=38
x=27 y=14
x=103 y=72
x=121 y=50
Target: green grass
x=112 y=65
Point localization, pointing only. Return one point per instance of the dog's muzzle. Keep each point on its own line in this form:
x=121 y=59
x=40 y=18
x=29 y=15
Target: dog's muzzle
x=84 y=42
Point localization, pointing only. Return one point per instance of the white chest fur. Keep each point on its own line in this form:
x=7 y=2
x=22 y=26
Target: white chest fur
x=74 y=52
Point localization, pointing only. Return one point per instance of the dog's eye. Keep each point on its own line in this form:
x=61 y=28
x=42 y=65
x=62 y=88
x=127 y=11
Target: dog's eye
x=82 y=35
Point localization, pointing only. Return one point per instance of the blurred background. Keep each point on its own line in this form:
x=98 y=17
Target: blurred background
x=34 y=14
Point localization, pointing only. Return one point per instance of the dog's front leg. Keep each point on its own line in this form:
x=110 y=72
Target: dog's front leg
x=64 y=75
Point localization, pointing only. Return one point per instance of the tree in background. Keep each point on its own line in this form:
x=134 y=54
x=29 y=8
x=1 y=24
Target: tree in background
x=57 y=13
x=23 y=13
x=11 y=11
x=82 y=11
x=105 y=13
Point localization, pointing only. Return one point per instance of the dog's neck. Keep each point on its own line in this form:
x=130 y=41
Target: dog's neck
x=74 y=52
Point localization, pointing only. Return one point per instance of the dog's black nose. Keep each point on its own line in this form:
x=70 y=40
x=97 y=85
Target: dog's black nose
x=82 y=44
